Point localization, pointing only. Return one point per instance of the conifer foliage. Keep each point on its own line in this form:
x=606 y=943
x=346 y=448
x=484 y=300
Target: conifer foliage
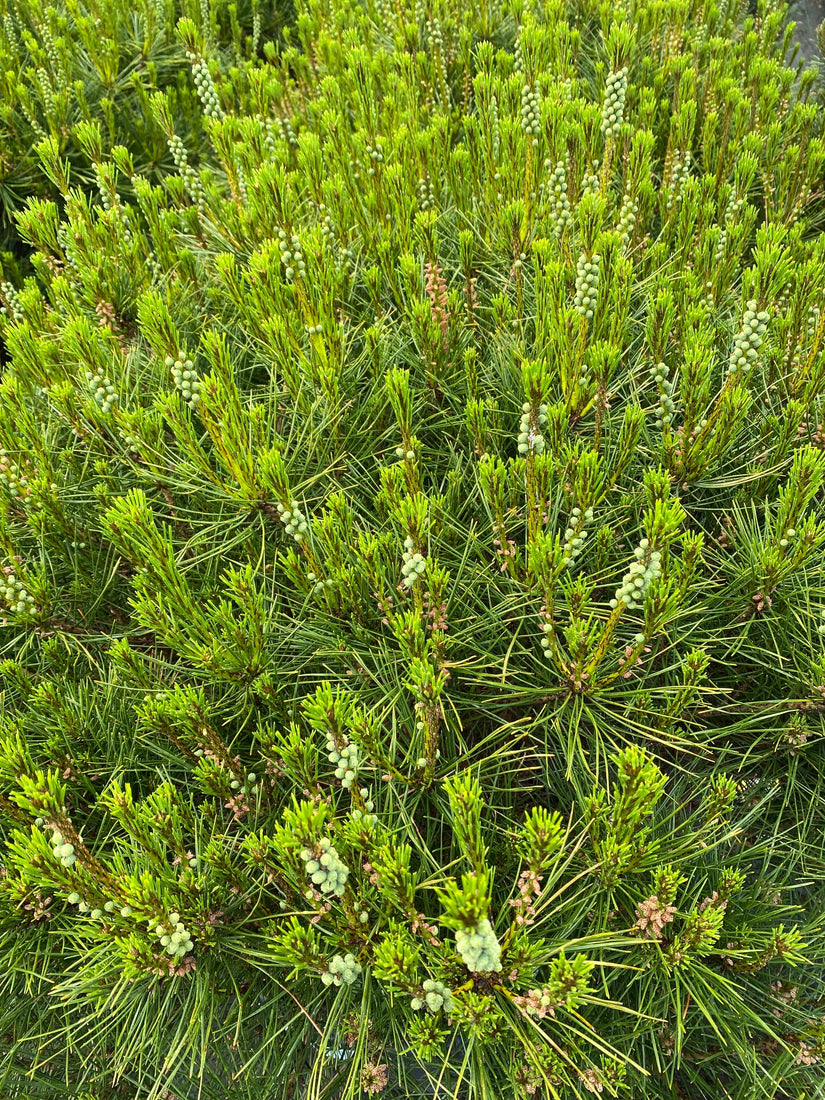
x=411 y=521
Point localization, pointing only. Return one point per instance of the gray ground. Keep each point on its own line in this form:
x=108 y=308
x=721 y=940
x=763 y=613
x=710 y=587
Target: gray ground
x=807 y=14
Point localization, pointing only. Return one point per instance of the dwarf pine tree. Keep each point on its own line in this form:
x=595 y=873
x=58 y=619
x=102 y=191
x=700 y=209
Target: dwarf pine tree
x=411 y=518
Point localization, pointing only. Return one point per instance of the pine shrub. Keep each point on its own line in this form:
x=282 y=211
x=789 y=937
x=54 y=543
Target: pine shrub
x=411 y=513
x=67 y=64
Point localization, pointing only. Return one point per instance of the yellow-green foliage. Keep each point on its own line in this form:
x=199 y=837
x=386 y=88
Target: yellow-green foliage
x=411 y=525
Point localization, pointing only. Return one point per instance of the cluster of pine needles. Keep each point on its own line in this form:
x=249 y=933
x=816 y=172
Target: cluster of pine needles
x=412 y=613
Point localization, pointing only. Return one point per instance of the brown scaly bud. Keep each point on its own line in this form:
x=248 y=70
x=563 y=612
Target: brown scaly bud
x=651 y=917
x=437 y=293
